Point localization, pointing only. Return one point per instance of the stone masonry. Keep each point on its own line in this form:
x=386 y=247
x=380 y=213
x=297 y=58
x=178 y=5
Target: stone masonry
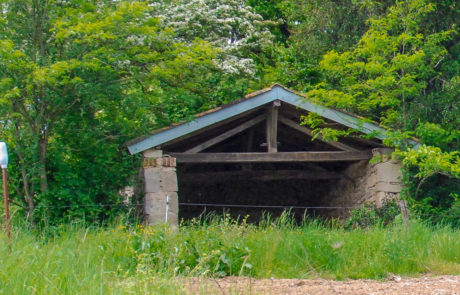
x=377 y=181
x=160 y=181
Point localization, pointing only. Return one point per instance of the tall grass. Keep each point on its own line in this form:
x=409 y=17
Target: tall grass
x=120 y=260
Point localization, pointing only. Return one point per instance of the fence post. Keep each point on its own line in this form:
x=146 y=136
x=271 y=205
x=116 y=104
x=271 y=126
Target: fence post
x=404 y=211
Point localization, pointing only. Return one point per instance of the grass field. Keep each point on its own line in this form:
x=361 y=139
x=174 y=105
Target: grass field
x=137 y=260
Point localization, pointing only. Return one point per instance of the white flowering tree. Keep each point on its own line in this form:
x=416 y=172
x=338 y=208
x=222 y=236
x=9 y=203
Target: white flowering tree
x=234 y=28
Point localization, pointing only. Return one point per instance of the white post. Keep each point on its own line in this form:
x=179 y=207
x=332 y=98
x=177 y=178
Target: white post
x=167 y=209
x=4 y=165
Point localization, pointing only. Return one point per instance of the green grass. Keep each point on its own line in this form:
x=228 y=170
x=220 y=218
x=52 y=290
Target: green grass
x=137 y=260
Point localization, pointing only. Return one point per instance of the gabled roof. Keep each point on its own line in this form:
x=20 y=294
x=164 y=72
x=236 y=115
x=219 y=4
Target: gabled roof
x=248 y=103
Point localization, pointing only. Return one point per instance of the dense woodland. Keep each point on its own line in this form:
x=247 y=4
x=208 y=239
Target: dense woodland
x=80 y=78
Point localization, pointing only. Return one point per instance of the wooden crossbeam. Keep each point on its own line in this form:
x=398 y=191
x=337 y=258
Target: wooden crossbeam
x=272 y=157
x=258 y=175
x=225 y=135
x=309 y=132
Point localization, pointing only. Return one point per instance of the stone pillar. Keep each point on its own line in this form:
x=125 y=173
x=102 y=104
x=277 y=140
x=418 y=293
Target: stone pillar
x=160 y=182
x=364 y=182
x=383 y=180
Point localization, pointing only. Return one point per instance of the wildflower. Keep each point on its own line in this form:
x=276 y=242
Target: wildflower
x=337 y=245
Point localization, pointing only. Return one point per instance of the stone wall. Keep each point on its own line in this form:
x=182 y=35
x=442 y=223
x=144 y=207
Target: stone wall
x=160 y=185
x=377 y=181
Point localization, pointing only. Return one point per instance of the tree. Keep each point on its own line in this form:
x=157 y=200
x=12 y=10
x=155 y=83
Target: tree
x=85 y=73
x=400 y=75
x=233 y=27
x=390 y=67
x=274 y=11
x=316 y=27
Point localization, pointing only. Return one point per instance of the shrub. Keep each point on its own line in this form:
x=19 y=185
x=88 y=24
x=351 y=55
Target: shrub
x=370 y=215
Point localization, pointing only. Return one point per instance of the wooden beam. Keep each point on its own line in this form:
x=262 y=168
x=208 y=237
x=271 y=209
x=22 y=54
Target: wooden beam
x=309 y=132
x=257 y=175
x=272 y=127
x=272 y=157
x=225 y=135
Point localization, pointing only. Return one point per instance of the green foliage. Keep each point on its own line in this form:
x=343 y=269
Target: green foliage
x=432 y=183
x=400 y=73
x=369 y=215
x=312 y=28
x=80 y=80
x=431 y=160
x=199 y=251
x=389 y=68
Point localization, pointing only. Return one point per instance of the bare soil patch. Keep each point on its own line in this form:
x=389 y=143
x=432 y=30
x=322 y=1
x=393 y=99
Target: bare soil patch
x=440 y=285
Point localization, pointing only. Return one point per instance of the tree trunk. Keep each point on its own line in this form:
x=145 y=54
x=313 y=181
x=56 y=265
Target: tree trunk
x=43 y=148
x=29 y=199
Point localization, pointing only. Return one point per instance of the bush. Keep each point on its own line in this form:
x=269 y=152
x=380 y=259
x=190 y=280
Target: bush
x=369 y=215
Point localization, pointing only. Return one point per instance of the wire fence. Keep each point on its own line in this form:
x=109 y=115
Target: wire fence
x=263 y=206
x=198 y=205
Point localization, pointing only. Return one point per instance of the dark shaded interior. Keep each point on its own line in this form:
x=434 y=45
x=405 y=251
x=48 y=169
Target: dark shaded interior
x=265 y=188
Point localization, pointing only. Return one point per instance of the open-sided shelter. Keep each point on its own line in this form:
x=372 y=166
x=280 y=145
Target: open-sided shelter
x=253 y=154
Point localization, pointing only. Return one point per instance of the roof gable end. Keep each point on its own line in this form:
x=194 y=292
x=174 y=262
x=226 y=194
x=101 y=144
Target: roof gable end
x=251 y=102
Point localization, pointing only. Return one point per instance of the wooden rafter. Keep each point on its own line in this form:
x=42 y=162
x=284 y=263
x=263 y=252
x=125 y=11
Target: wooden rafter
x=225 y=135
x=309 y=132
x=272 y=157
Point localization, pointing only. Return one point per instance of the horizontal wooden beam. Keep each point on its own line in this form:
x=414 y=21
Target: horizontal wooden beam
x=308 y=131
x=272 y=157
x=227 y=134
x=256 y=175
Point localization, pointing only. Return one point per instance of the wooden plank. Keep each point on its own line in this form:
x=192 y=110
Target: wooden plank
x=272 y=157
x=272 y=128
x=225 y=135
x=258 y=175
x=309 y=132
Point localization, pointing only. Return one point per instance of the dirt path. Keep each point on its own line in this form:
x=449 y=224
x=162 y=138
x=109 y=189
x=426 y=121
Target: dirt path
x=440 y=285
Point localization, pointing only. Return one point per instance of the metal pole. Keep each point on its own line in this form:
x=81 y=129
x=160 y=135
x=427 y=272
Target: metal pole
x=7 y=202
x=167 y=209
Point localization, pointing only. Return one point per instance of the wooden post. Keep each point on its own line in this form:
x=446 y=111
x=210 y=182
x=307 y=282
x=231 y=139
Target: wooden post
x=7 y=203
x=272 y=127
x=250 y=143
x=404 y=211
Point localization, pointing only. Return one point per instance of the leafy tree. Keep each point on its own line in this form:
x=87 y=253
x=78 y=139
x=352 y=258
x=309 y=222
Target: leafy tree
x=274 y=11
x=316 y=27
x=76 y=82
x=240 y=34
x=396 y=73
